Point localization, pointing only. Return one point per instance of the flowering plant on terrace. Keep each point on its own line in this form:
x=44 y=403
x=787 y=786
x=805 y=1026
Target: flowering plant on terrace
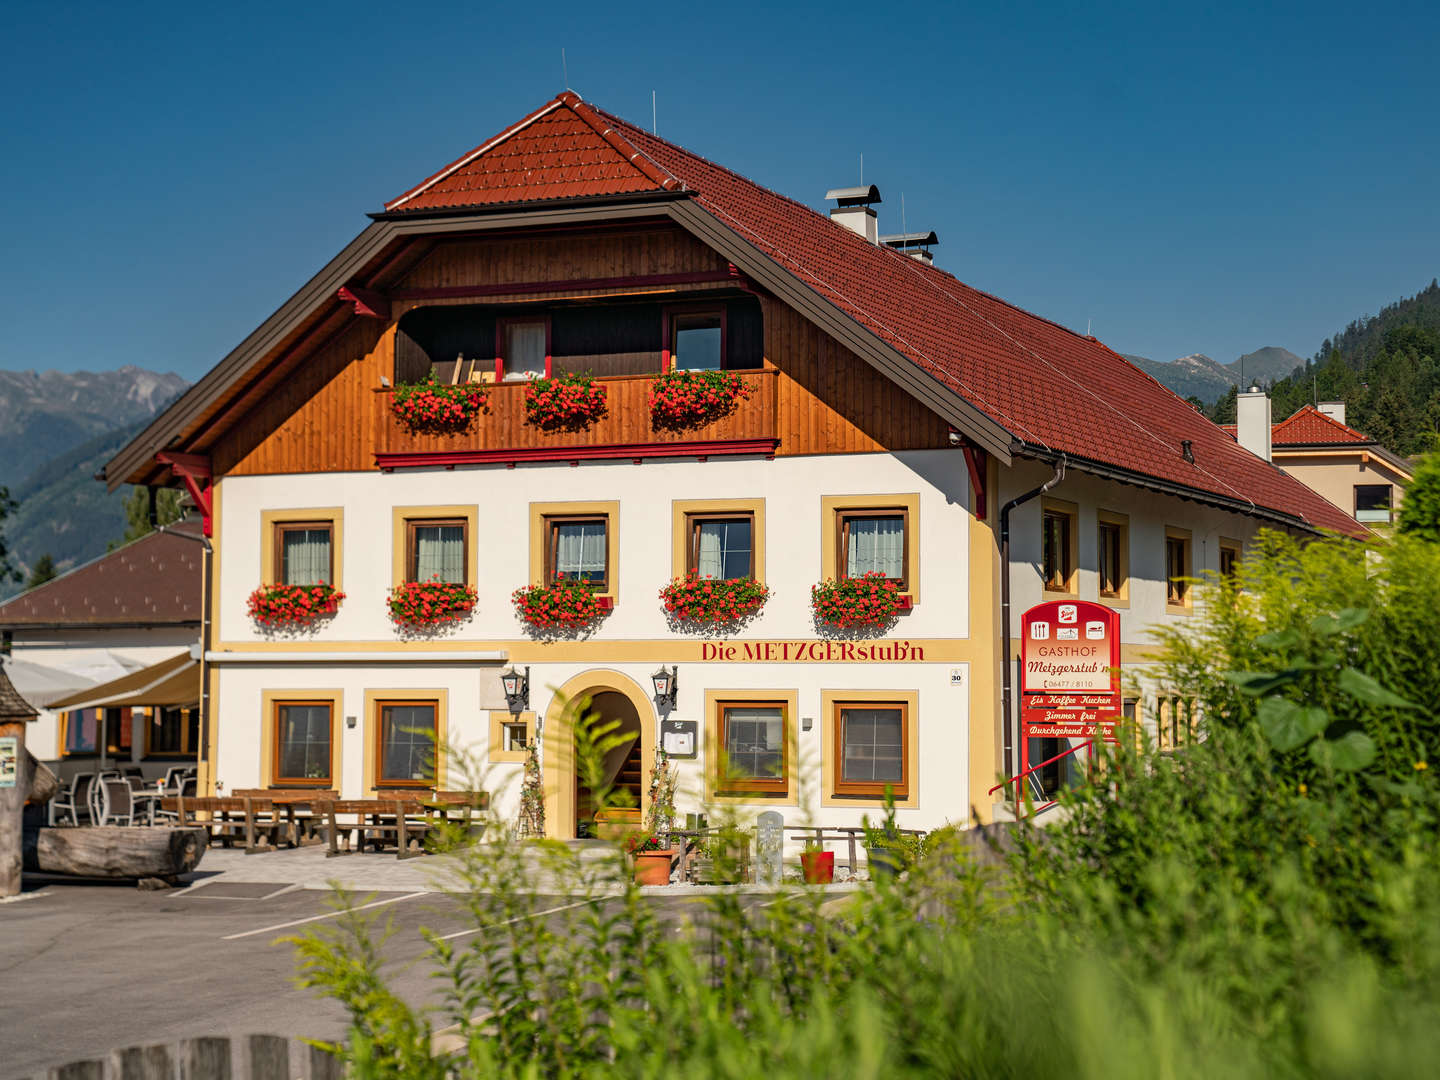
x=561 y=605
x=868 y=600
x=293 y=605
x=681 y=399
x=713 y=601
x=643 y=841
x=435 y=408
x=565 y=402
x=430 y=603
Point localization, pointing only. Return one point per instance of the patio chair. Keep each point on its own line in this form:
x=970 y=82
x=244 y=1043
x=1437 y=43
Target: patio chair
x=72 y=800
x=186 y=790
x=172 y=779
x=116 y=806
x=93 y=797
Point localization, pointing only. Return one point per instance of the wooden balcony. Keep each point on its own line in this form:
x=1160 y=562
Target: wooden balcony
x=502 y=435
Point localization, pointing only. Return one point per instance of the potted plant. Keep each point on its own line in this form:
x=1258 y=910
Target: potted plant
x=277 y=606
x=888 y=851
x=686 y=399
x=817 y=864
x=436 y=408
x=713 y=602
x=560 y=605
x=868 y=600
x=426 y=604
x=651 y=860
x=566 y=402
x=723 y=858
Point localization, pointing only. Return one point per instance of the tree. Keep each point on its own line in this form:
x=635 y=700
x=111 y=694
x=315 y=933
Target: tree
x=137 y=511
x=42 y=571
x=8 y=570
x=1420 y=510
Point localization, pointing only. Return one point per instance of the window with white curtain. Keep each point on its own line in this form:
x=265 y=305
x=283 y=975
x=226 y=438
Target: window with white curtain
x=437 y=551
x=524 y=350
x=578 y=550
x=874 y=542
x=305 y=554
x=722 y=547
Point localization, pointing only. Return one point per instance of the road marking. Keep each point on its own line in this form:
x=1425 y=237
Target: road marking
x=24 y=896
x=520 y=918
x=282 y=891
x=327 y=915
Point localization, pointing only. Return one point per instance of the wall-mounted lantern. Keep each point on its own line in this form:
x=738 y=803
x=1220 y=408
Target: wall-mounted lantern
x=517 y=690
x=667 y=685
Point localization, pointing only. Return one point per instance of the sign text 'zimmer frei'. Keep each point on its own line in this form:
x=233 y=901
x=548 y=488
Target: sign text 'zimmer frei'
x=1070 y=670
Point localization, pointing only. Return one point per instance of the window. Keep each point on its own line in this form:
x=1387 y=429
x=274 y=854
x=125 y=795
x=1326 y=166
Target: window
x=436 y=550
x=303 y=733
x=576 y=549
x=407 y=744
x=1057 y=551
x=173 y=732
x=1177 y=568
x=871 y=740
x=753 y=758
x=516 y=736
x=698 y=341
x=510 y=736
x=83 y=728
x=1112 y=557
x=874 y=541
x=1372 y=503
x=522 y=348
x=1230 y=553
x=721 y=545
x=304 y=553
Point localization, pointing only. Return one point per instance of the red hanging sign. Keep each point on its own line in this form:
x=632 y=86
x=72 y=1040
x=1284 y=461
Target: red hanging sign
x=1069 y=672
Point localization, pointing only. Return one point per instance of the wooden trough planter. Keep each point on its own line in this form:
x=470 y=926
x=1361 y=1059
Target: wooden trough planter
x=114 y=851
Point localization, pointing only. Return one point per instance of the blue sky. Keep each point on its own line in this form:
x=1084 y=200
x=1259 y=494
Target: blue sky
x=1197 y=178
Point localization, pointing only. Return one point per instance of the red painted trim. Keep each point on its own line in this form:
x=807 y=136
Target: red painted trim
x=368 y=303
x=975 y=461
x=192 y=469
x=451 y=292
x=906 y=601
x=387 y=462
x=510 y=320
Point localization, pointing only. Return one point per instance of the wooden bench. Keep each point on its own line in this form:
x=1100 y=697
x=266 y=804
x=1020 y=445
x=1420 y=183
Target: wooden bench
x=303 y=810
x=405 y=819
x=230 y=817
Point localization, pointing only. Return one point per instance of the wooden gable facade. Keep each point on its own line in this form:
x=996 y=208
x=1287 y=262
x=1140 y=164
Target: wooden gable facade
x=810 y=395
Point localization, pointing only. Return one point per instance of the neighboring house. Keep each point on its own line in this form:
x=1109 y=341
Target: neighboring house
x=892 y=412
x=1319 y=449
x=111 y=619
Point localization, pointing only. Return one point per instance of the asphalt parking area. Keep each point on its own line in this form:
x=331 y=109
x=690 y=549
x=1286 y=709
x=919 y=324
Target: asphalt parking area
x=104 y=966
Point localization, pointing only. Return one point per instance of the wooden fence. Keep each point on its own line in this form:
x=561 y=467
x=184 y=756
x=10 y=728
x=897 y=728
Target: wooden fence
x=241 y=1057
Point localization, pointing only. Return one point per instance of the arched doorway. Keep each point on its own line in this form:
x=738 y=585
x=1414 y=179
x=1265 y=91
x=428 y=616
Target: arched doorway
x=613 y=696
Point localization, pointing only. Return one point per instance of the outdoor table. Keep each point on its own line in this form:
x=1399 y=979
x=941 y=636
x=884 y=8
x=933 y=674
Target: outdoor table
x=147 y=798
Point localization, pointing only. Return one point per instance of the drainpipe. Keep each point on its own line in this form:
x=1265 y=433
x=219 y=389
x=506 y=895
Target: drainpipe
x=205 y=610
x=1005 y=674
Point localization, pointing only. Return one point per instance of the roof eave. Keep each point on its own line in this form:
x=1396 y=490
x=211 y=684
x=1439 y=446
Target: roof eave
x=623 y=198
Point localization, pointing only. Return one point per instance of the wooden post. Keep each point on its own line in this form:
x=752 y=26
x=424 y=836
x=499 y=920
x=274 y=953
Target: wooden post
x=15 y=713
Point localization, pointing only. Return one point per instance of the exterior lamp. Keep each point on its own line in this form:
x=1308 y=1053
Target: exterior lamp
x=517 y=690
x=667 y=685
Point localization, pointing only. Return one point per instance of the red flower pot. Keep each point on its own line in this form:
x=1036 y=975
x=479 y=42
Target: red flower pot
x=819 y=867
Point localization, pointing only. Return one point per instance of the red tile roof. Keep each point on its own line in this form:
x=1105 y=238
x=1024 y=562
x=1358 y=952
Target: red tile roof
x=1311 y=427
x=1051 y=388
x=154 y=581
x=564 y=150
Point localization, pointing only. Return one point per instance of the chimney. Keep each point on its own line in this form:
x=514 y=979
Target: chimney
x=1333 y=409
x=915 y=244
x=854 y=210
x=1252 y=421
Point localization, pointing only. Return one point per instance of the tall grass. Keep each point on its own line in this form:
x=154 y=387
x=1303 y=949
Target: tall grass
x=1264 y=903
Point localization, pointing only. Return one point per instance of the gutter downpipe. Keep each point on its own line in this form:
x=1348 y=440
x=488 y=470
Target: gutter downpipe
x=1005 y=675
x=204 y=541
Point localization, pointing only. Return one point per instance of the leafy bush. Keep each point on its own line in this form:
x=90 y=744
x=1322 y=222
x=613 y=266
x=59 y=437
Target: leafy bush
x=1420 y=510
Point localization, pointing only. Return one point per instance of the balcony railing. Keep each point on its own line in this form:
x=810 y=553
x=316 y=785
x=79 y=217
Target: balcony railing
x=502 y=435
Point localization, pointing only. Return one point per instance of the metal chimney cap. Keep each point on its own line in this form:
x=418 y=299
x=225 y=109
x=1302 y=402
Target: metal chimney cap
x=910 y=239
x=855 y=196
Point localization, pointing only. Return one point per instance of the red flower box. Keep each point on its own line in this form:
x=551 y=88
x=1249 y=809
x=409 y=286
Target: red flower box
x=561 y=605
x=713 y=601
x=433 y=408
x=685 y=399
x=293 y=605
x=568 y=402
x=869 y=600
x=422 y=604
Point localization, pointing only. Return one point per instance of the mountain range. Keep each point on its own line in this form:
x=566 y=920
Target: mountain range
x=56 y=430
x=1209 y=380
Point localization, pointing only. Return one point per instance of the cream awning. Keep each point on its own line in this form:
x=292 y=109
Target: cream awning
x=171 y=682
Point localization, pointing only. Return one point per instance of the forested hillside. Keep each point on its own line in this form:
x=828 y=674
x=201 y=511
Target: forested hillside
x=1385 y=367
